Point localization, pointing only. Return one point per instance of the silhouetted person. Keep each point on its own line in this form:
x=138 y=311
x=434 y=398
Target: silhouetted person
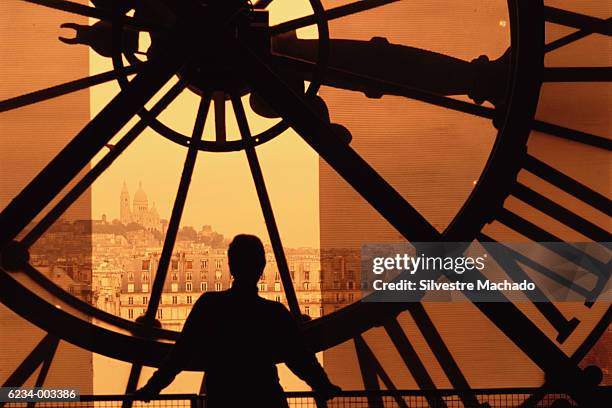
x=239 y=335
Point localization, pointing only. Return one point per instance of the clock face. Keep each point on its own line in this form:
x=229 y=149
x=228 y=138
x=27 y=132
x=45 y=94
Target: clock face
x=432 y=122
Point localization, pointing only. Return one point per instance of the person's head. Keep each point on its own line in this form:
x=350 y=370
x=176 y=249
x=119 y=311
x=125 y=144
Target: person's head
x=247 y=258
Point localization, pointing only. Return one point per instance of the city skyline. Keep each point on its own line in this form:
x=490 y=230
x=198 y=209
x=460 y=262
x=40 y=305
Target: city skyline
x=135 y=206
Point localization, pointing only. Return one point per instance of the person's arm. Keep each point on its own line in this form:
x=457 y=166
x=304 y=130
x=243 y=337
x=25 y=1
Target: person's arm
x=179 y=355
x=302 y=360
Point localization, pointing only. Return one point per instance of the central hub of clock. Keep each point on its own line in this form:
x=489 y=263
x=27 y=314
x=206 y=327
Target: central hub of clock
x=216 y=69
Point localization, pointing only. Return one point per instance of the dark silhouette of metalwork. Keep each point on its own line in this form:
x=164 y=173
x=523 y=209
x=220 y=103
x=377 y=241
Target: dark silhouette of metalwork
x=239 y=336
x=41 y=356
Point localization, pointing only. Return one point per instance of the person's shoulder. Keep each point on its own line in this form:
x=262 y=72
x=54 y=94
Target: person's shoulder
x=274 y=306
x=211 y=297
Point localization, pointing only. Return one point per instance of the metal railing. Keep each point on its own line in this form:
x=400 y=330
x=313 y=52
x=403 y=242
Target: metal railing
x=480 y=398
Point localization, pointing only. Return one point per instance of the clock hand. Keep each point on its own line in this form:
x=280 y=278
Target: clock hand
x=433 y=72
x=323 y=138
x=101 y=13
x=100 y=38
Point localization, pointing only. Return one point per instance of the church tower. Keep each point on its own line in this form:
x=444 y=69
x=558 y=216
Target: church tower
x=125 y=214
x=140 y=206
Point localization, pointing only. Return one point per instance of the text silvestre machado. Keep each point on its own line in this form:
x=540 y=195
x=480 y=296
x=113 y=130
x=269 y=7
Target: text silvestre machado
x=457 y=264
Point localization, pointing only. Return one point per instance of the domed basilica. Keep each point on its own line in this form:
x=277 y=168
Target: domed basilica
x=139 y=212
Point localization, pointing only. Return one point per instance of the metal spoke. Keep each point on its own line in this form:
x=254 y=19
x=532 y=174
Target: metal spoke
x=336 y=152
x=578 y=74
x=570 y=38
x=177 y=211
x=340 y=78
x=266 y=207
x=576 y=20
x=66 y=88
x=41 y=355
x=171 y=233
x=101 y=166
x=88 y=142
x=572 y=134
x=331 y=14
x=220 y=129
x=437 y=345
x=94 y=12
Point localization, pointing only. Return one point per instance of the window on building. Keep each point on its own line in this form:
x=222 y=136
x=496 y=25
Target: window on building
x=160 y=314
x=277 y=286
x=350 y=285
x=130 y=300
x=189 y=276
x=203 y=286
x=277 y=298
x=189 y=300
x=188 y=287
x=175 y=300
x=263 y=287
x=321 y=311
x=276 y=276
x=262 y=277
x=130 y=287
x=145 y=300
x=145 y=287
x=351 y=297
x=306 y=285
x=130 y=313
x=218 y=286
x=203 y=263
x=174 y=287
x=146 y=264
x=189 y=264
x=307 y=310
x=175 y=276
x=146 y=277
x=175 y=264
x=203 y=276
x=130 y=276
x=306 y=275
x=218 y=264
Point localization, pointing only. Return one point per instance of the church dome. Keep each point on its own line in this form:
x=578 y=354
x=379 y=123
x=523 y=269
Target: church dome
x=140 y=197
